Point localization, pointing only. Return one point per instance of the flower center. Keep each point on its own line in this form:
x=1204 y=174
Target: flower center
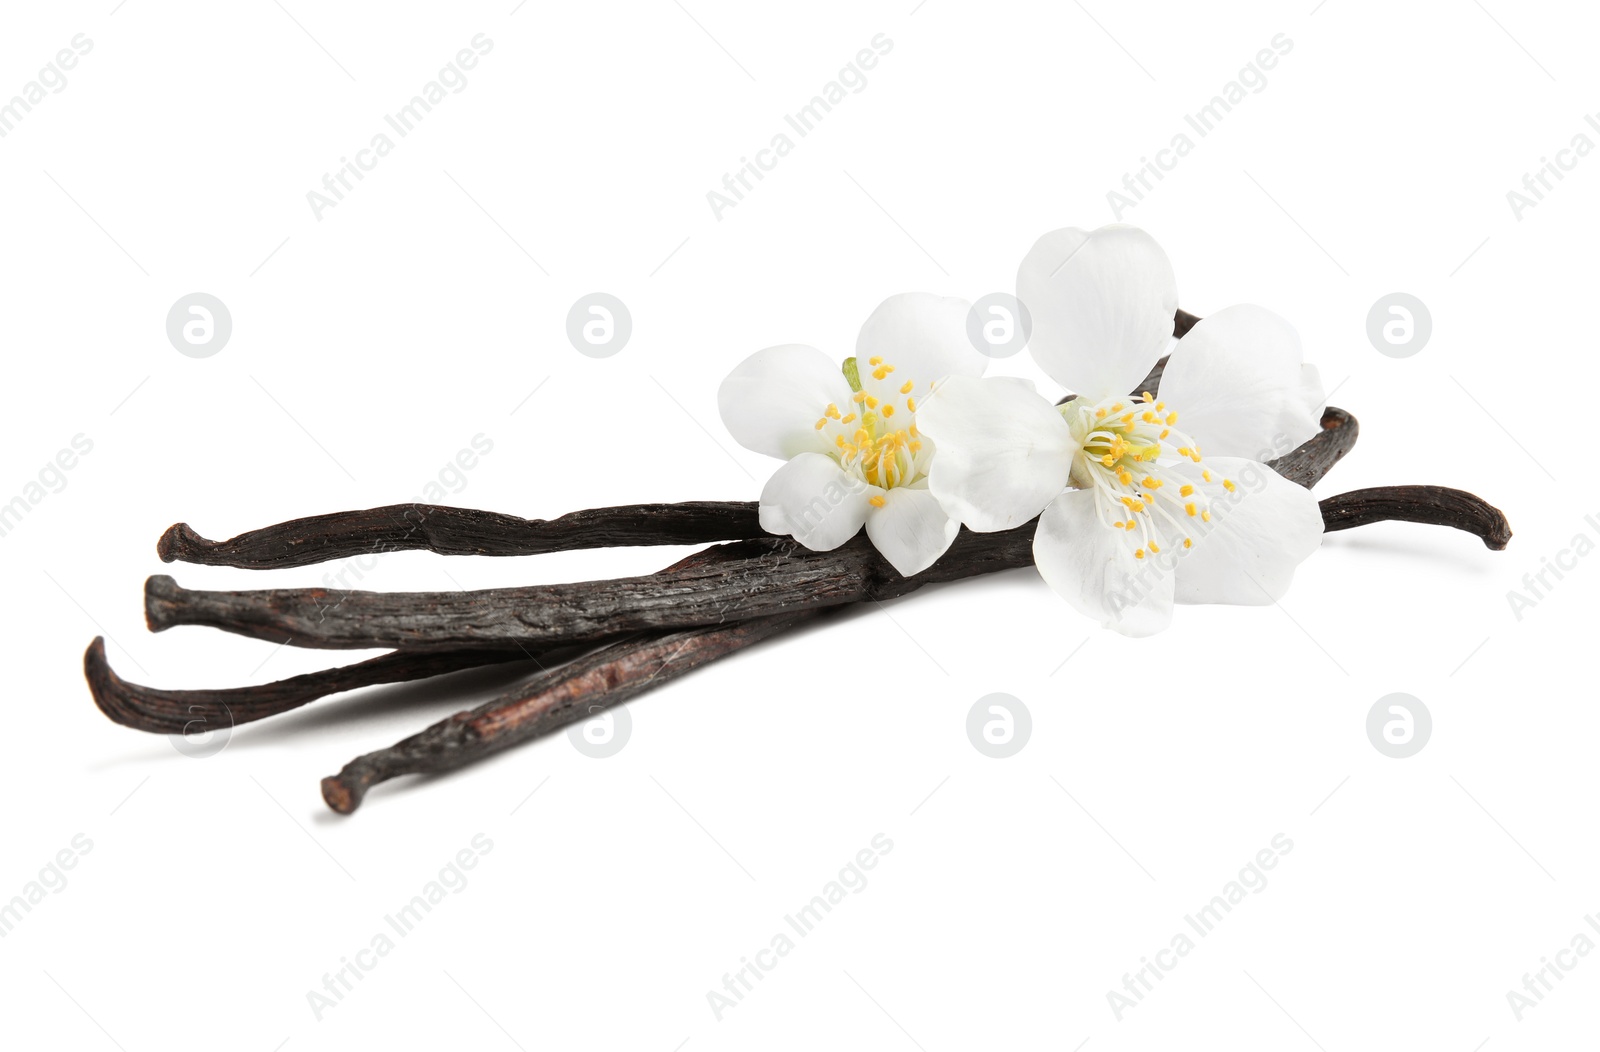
x=877 y=440
x=1147 y=476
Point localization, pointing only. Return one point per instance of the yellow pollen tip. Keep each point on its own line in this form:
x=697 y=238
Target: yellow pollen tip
x=872 y=403
x=876 y=502
x=874 y=361
x=1172 y=418
x=1164 y=434
x=1117 y=408
x=1148 y=417
x=1155 y=547
x=915 y=447
x=1205 y=516
x=1188 y=542
x=847 y=419
x=1100 y=414
x=1228 y=485
x=907 y=387
x=822 y=423
x=1139 y=554
x=1186 y=491
x=888 y=410
x=1189 y=508
x=833 y=412
x=1206 y=475
x=859 y=397
x=1151 y=482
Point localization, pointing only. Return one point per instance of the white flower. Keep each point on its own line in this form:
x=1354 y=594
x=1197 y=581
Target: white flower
x=855 y=455
x=1146 y=521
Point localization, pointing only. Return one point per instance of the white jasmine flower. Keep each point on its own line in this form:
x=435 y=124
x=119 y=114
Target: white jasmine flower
x=850 y=435
x=1134 y=516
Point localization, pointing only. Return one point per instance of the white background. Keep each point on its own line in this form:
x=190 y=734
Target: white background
x=371 y=345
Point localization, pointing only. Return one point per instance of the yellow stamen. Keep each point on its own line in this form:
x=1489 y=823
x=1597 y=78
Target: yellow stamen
x=876 y=502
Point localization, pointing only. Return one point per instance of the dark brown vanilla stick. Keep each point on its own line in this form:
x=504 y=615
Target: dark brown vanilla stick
x=749 y=579
x=460 y=531
x=1308 y=462
x=548 y=701
x=191 y=711
x=596 y=610
x=1434 y=505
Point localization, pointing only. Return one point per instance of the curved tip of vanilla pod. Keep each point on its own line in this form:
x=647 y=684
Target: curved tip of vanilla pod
x=180 y=543
x=105 y=686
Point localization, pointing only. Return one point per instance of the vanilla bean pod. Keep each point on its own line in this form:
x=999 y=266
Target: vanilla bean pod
x=460 y=531
x=1308 y=462
x=186 y=711
x=548 y=701
x=588 y=611
x=1433 y=505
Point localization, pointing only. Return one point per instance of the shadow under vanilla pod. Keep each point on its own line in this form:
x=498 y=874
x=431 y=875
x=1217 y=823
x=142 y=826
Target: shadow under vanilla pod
x=599 y=642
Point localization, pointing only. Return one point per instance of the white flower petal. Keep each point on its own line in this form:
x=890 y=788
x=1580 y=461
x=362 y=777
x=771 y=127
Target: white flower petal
x=1238 y=384
x=911 y=530
x=1004 y=451
x=924 y=337
x=1102 y=305
x=814 y=501
x=1092 y=566
x=1247 y=554
x=772 y=401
